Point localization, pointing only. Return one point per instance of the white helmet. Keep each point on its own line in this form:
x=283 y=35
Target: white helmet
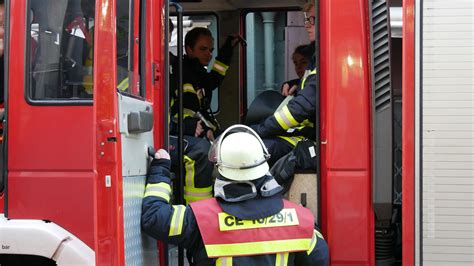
x=240 y=154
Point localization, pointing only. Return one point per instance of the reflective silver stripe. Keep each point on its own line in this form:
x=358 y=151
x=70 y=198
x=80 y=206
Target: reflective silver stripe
x=161 y=190
x=176 y=224
x=192 y=194
x=220 y=67
x=285 y=119
x=197 y=194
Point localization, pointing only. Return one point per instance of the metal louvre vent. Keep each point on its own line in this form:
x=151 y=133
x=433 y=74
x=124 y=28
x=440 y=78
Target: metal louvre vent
x=380 y=37
x=382 y=121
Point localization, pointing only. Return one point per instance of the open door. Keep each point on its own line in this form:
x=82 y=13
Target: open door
x=125 y=85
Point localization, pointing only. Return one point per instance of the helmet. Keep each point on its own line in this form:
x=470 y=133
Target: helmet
x=240 y=154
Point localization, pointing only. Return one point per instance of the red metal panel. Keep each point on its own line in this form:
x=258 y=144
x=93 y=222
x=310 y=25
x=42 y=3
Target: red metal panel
x=408 y=133
x=157 y=38
x=155 y=48
x=2 y=202
x=345 y=89
x=64 y=198
x=109 y=244
x=49 y=150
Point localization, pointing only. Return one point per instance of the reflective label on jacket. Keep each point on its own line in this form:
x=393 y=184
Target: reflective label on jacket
x=286 y=217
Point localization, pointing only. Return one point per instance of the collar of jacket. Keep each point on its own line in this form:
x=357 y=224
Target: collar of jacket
x=257 y=207
x=193 y=64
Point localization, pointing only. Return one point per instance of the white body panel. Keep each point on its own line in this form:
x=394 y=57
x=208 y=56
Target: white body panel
x=445 y=159
x=46 y=239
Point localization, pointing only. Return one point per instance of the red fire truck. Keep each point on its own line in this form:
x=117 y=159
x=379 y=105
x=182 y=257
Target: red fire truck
x=86 y=95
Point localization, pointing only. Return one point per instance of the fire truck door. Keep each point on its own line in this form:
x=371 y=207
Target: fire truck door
x=135 y=117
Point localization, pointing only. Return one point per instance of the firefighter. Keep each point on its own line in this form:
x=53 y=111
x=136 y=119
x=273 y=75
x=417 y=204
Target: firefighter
x=198 y=122
x=301 y=58
x=198 y=83
x=295 y=120
x=197 y=168
x=247 y=223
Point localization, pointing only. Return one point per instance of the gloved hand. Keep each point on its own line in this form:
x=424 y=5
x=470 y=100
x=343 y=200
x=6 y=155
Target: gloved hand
x=226 y=50
x=162 y=154
x=160 y=168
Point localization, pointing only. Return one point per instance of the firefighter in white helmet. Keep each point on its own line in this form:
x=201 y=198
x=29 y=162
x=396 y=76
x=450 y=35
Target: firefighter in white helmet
x=246 y=223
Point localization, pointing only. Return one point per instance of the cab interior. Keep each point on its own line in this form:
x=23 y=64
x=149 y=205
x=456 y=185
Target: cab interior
x=271 y=29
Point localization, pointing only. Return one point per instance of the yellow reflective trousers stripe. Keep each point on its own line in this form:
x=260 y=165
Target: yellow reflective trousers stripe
x=162 y=190
x=189 y=171
x=224 y=261
x=176 y=224
x=192 y=194
x=281 y=259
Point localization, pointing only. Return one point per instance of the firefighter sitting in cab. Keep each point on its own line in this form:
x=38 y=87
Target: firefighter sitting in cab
x=246 y=223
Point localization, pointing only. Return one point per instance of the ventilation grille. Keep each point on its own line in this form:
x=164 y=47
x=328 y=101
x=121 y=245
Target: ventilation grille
x=380 y=37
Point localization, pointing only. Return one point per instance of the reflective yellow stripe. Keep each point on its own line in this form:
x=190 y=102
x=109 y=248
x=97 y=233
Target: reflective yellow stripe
x=314 y=241
x=88 y=79
x=192 y=194
x=312 y=72
x=176 y=224
x=264 y=247
x=188 y=112
x=281 y=259
x=307 y=123
x=292 y=140
x=285 y=119
x=189 y=171
x=290 y=117
x=161 y=190
x=220 y=67
x=123 y=85
x=224 y=261
x=188 y=87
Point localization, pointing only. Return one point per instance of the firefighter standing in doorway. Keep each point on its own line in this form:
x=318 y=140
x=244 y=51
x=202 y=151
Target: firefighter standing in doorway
x=247 y=223
x=295 y=121
x=199 y=123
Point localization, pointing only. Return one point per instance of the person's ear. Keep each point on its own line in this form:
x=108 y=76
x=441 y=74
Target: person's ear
x=188 y=49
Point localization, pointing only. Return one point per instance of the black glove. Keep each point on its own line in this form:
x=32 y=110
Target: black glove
x=226 y=50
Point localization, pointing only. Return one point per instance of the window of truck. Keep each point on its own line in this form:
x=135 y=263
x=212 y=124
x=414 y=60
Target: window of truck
x=60 y=53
